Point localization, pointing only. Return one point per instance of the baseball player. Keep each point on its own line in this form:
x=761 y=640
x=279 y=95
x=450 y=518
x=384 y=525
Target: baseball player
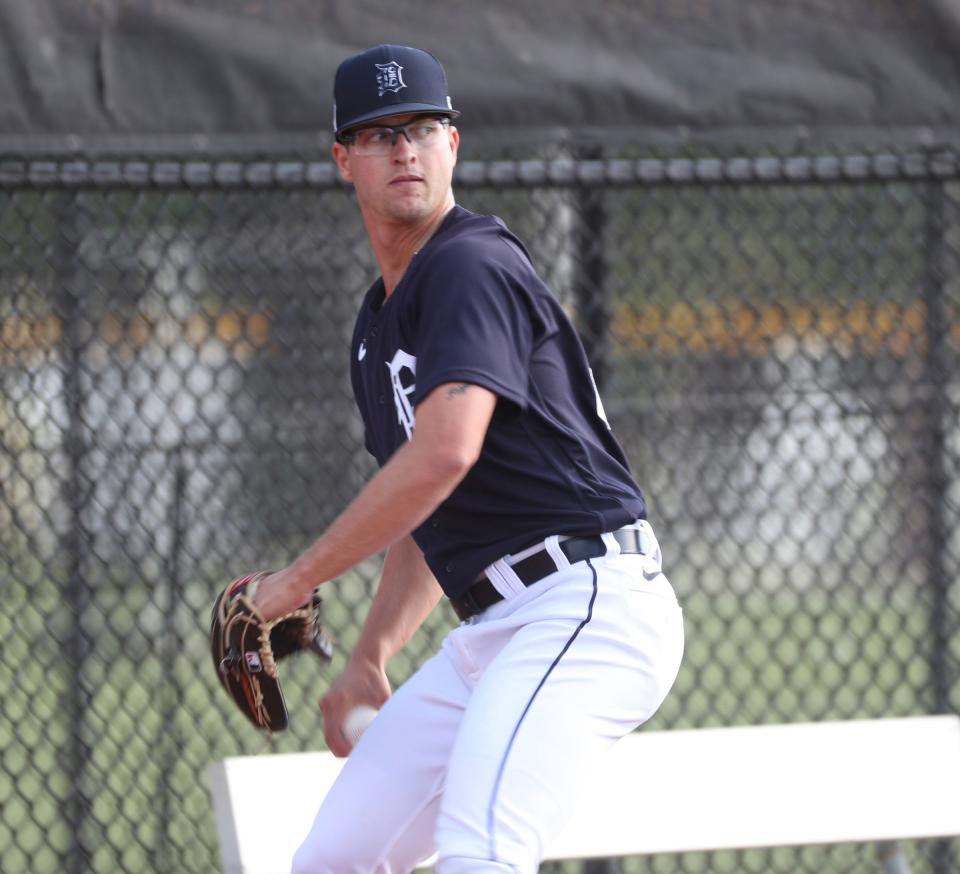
x=501 y=488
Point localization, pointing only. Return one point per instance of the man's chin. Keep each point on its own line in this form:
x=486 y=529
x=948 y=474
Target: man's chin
x=408 y=211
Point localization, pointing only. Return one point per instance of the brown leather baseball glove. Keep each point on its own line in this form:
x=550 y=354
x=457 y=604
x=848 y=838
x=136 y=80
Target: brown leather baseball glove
x=246 y=649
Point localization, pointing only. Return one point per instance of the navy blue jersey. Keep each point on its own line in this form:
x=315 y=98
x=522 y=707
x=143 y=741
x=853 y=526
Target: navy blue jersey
x=470 y=308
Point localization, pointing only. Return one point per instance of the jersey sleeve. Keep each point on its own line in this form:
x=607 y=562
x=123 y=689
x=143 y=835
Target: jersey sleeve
x=479 y=323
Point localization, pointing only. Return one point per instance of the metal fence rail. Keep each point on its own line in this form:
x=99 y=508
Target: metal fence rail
x=777 y=340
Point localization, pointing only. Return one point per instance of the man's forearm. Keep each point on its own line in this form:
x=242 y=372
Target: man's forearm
x=398 y=499
x=451 y=427
x=407 y=594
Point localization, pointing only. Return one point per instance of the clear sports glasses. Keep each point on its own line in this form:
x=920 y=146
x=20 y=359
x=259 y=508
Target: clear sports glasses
x=379 y=141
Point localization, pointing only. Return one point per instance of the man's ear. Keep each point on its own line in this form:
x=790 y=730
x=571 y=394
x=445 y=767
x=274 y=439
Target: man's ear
x=454 y=142
x=341 y=157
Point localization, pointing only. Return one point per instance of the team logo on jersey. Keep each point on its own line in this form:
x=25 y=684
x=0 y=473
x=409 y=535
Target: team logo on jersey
x=389 y=78
x=403 y=372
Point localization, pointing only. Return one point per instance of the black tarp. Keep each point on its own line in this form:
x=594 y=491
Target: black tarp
x=221 y=75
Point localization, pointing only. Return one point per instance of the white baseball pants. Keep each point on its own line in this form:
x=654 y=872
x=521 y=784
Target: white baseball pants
x=481 y=754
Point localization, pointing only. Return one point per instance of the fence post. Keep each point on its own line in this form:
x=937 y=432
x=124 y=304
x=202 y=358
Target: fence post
x=69 y=295
x=170 y=647
x=936 y=371
x=591 y=270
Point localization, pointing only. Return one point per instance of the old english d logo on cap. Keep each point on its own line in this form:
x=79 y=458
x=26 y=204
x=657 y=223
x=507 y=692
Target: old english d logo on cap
x=388 y=80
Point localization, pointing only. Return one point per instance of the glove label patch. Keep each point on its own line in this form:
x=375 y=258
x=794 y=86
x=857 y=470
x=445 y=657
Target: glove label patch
x=254 y=665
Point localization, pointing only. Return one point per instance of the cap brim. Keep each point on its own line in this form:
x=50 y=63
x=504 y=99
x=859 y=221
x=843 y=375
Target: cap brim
x=398 y=109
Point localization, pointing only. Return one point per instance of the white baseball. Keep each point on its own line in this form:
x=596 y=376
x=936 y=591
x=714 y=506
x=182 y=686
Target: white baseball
x=356 y=721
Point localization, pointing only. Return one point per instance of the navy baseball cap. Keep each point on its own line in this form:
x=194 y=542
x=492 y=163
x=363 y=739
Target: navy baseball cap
x=388 y=80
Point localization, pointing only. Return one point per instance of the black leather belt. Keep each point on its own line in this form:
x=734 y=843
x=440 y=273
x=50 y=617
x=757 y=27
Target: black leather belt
x=533 y=568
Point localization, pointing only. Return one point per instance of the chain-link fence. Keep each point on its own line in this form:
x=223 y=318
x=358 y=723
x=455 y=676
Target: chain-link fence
x=777 y=342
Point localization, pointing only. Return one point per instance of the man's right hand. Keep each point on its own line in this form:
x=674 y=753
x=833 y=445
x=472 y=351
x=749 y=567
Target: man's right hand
x=361 y=682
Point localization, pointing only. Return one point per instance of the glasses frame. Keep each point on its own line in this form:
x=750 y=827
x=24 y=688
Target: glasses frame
x=349 y=138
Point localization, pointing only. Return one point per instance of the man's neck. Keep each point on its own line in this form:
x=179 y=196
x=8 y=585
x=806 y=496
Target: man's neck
x=394 y=246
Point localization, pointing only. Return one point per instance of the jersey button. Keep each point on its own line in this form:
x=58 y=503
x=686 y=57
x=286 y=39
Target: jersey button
x=381 y=399
x=373 y=332
x=449 y=568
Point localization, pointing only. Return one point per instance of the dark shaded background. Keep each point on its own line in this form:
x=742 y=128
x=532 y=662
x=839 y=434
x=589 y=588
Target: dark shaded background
x=155 y=74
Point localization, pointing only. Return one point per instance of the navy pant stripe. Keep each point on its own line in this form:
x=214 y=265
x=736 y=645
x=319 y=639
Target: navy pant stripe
x=526 y=709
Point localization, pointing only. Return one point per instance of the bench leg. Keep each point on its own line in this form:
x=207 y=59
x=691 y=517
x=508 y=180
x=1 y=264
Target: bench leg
x=601 y=866
x=892 y=859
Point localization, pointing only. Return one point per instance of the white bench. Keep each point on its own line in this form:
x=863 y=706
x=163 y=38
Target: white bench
x=671 y=791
